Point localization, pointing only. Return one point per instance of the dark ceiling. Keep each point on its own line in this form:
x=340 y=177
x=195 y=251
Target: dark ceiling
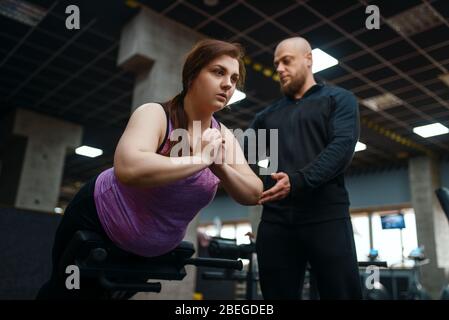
x=73 y=75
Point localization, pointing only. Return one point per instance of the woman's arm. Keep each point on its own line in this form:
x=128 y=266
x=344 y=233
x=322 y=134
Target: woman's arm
x=237 y=178
x=136 y=162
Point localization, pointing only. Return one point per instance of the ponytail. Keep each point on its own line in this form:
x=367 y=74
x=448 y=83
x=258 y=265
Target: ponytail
x=177 y=116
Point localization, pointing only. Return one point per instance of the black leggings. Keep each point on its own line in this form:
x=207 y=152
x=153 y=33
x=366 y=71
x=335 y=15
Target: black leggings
x=80 y=214
x=283 y=252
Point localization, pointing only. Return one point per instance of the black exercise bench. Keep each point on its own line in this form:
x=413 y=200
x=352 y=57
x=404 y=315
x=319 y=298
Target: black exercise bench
x=117 y=270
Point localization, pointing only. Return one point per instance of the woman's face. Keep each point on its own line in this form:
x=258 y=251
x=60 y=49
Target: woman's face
x=216 y=82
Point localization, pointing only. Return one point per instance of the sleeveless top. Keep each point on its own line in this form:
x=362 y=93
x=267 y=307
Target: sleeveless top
x=152 y=221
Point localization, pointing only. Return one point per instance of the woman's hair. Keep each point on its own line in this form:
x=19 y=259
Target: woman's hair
x=200 y=56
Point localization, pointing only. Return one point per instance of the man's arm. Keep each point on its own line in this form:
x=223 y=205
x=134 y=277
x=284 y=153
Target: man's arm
x=337 y=155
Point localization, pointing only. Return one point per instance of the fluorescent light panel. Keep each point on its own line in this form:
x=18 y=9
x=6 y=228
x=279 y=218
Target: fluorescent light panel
x=88 y=151
x=359 y=146
x=322 y=60
x=430 y=130
x=382 y=102
x=415 y=20
x=22 y=11
x=263 y=163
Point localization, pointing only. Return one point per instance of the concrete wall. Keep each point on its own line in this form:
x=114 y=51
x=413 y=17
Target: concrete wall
x=33 y=160
x=225 y=208
x=154 y=48
x=380 y=188
x=444 y=174
x=26 y=240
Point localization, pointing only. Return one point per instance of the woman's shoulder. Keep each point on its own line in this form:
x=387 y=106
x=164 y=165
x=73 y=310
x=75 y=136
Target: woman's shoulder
x=154 y=107
x=155 y=110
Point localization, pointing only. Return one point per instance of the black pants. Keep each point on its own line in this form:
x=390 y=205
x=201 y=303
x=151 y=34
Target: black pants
x=80 y=214
x=283 y=252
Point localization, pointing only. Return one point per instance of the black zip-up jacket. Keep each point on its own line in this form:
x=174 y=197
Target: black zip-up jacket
x=317 y=135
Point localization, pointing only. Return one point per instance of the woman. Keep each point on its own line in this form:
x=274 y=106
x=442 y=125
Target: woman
x=144 y=203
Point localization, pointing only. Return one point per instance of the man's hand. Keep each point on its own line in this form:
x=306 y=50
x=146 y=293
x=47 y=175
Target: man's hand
x=279 y=191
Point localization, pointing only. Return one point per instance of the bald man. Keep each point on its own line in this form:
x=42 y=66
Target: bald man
x=305 y=218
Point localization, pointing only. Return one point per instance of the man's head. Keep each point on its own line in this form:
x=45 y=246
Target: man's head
x=293 y=62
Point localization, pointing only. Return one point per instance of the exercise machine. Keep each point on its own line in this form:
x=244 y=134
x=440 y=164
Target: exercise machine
x=376 y=290
x=416 y=291
x=228 y=249
x=122 y=274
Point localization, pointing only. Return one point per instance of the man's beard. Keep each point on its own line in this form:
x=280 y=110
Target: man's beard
x=293 y=87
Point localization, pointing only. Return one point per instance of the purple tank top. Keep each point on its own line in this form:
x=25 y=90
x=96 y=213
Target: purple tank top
x=152 y=221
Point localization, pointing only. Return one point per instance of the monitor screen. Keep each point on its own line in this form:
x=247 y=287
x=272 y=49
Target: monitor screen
x=393 y=221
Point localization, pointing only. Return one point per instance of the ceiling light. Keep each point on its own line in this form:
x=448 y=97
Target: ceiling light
x=88 y=151
x=237 y=96
x=322 y=60
x=359 y=146
x=430 y=130
x=382 y=102
x=263 y=163
x=22 y=11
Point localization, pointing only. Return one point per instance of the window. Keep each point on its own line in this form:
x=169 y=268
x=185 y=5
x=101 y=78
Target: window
x=230 y=231
x=360 y=226
x=388 y=241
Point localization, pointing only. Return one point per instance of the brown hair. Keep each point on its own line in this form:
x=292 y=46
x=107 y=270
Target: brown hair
x=200 y=56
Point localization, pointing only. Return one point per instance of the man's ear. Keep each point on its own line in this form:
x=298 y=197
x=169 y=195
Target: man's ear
x=309 y=59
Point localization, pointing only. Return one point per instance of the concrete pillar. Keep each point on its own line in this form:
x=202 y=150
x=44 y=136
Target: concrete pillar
x=33 y=159
x=154 y=48
x=431 y=223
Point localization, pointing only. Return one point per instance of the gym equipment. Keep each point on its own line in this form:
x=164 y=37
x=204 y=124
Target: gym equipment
x=228 y=249
x=395 y=221
x=373 y=254
x=120 y=273
x=416 y=291
x=378 y=290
